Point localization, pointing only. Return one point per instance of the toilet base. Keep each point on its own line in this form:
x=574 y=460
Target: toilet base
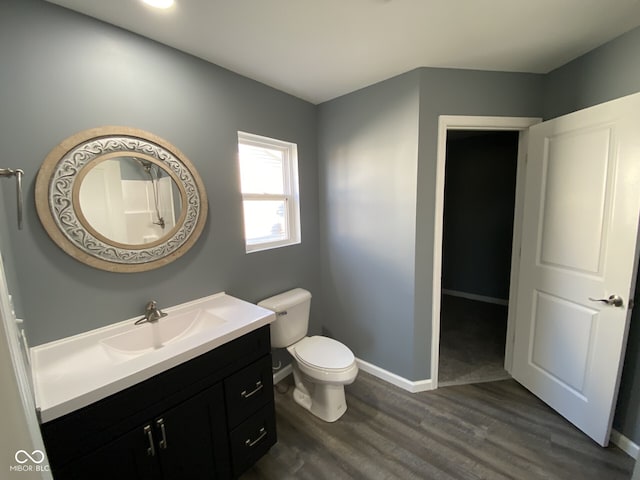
x=325 y=401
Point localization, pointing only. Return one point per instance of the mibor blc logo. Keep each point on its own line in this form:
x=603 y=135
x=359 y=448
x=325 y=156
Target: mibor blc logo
x=29 y=462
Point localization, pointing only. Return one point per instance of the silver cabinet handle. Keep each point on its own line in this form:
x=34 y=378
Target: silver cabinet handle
x=250 y=443
x=163 y=441
x=615 y=300
x=151 y=451
x=259 y=387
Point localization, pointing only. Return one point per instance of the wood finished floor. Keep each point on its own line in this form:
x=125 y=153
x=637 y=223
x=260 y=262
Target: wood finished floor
x=494 y=430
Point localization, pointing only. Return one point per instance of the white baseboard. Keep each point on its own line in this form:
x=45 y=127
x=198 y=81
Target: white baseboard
x=473 y=296
x=397 y=380
x=283 y=373
x=624 y=444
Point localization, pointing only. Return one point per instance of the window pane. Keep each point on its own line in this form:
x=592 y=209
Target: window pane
x=261 y=169
x=265 y=221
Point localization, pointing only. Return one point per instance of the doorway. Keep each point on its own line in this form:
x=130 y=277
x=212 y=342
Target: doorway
x=479 y=201
x=479 y=124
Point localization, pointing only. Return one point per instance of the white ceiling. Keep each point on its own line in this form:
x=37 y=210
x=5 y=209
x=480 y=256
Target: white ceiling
x=321 y=49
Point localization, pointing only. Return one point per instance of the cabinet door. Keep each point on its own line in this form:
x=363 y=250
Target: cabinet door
x=192 y=438
x=130 y=457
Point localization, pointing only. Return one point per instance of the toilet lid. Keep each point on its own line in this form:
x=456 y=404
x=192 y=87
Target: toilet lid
x=324 y=352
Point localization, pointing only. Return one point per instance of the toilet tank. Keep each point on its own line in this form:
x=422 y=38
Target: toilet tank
x=292 y=316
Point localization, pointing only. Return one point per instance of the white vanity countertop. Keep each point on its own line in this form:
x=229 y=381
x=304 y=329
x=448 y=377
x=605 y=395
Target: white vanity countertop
x=74 y=372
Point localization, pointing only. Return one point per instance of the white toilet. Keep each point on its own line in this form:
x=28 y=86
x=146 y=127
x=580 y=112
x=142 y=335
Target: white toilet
x=321 y=366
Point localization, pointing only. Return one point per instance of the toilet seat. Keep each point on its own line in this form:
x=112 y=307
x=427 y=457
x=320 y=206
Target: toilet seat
x=323 y=353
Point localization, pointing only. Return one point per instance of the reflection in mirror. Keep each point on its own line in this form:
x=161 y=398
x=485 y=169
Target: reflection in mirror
x=130 y=200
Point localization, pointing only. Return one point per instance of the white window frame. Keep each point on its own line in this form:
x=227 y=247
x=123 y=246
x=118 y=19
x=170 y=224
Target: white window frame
x=291 y=194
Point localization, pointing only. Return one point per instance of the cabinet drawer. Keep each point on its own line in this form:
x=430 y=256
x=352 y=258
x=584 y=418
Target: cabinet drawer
x=252 y=439
x=248 y=389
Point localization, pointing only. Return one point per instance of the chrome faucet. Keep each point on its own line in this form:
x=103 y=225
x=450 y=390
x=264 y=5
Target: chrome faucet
x=151 y=313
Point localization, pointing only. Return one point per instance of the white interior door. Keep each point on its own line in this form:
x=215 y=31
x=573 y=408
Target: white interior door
x=580 y=227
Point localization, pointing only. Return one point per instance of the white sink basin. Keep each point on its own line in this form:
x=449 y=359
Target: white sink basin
x=76 y=371
x=152 y=336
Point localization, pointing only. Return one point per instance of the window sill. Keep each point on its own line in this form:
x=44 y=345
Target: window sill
x=270 y=246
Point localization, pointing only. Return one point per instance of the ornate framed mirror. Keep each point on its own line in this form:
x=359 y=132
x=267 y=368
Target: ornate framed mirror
x=120 y=199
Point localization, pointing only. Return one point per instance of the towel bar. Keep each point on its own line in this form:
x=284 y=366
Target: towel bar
x=18 y=173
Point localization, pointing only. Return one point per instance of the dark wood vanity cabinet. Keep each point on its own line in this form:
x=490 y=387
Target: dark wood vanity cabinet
x=187 y=441
x=210 y=418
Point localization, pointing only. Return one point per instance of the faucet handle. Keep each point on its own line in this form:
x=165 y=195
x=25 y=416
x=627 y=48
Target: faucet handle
x=152 y=305
x=151 y=313
x=150 y=310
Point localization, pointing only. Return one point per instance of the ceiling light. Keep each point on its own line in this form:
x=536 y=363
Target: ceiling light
x=159 y=3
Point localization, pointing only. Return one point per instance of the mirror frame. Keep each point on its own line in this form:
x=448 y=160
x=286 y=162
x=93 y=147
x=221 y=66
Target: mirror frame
x=57 y=200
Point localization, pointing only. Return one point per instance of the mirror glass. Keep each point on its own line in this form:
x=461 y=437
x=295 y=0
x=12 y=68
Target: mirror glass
x=130 y=200
x=120 y=199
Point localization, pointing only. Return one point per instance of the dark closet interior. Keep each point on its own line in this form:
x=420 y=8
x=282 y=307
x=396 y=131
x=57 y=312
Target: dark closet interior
x=479 y=198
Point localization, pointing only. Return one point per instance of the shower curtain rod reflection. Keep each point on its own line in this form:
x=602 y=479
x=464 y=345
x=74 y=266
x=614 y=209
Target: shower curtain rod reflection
x=152 y=170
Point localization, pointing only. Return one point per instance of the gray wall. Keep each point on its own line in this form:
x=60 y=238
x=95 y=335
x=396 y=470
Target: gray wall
x=378 y=280
x=62 y=73
x=369 y=157
x=603 y=74
x=455 y=92
x=608 y=72
x=479 y=199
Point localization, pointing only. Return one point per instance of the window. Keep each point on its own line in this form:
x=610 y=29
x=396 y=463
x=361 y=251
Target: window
x=269 y=185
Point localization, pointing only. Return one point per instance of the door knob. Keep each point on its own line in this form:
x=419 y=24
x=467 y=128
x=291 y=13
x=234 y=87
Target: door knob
x=615 y=300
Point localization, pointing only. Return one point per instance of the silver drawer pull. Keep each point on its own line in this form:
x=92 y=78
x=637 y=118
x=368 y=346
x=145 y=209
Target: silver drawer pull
x=151 y=451
x=259 y=387
x=163 y=442
x=249 y=443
